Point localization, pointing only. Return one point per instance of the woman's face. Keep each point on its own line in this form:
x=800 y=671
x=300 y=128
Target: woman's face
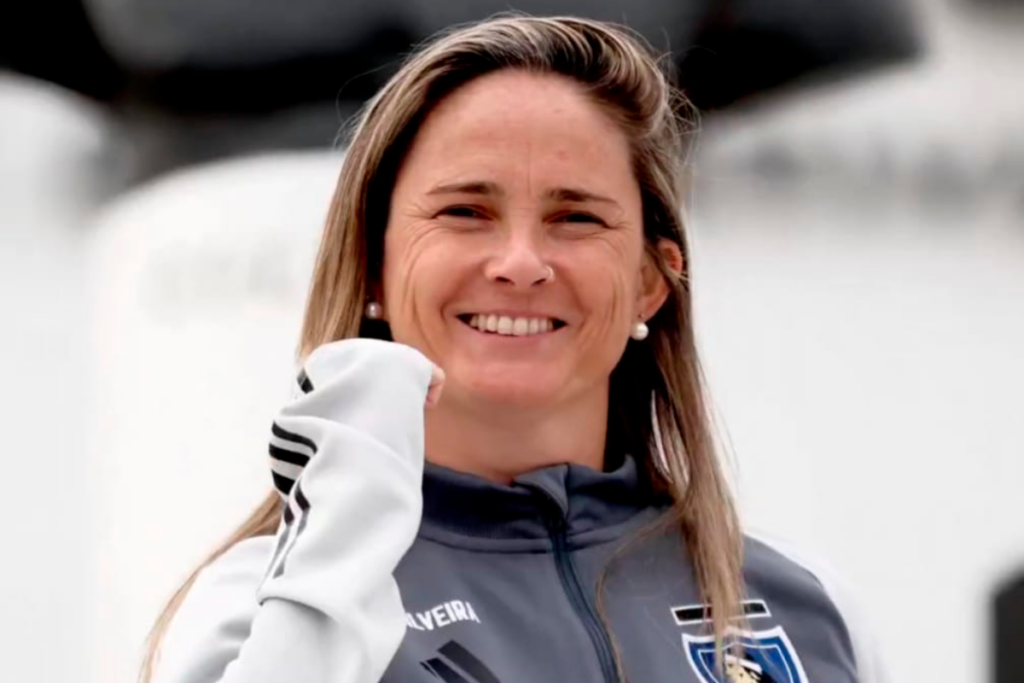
x=511 y=178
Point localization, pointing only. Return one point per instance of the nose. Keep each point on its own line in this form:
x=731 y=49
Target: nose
x=519 y=263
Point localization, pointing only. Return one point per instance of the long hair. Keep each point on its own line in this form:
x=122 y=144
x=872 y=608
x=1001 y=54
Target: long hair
x=660 y=377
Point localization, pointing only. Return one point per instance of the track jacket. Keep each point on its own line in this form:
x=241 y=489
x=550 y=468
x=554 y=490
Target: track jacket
x=384 y=569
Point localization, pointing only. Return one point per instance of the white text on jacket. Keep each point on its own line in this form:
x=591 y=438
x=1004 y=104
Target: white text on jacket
x=442 y=615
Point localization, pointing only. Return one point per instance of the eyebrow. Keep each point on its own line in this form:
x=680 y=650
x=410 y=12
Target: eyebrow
x=570 y=194
x=472 y=187
x=564 y=194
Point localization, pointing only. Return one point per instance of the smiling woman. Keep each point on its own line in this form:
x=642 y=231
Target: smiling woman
x=506 y=227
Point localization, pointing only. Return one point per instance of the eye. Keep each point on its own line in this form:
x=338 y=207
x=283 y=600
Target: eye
x=462 y=212
x=578 y=217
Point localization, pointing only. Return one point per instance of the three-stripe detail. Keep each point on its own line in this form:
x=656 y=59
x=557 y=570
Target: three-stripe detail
x=289 y=454
x=456 y=664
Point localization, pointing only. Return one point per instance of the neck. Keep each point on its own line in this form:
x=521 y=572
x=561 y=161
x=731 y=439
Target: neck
x=499 y=443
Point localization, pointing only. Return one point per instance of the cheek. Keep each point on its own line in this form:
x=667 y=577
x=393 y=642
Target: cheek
x=610 y=284
x=609 y=295
x=402 y=267
x=418 y=271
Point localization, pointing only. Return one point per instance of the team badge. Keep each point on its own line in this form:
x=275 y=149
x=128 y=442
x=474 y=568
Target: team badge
x=752 y=657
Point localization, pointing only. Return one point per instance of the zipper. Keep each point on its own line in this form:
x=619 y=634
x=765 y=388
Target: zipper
x=577 y=597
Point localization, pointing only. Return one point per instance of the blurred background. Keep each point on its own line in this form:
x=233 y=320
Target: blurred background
x=858 y=228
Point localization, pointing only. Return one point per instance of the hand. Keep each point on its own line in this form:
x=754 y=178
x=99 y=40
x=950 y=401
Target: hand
x=436 y=387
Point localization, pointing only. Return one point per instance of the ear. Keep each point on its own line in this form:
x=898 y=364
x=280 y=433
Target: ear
x=654 y=287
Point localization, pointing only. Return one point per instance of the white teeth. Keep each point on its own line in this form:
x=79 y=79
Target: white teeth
x=511 y=327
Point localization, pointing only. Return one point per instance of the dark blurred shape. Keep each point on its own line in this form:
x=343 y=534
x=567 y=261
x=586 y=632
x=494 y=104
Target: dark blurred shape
x=1009 y=631
x=53 y=40
x=354 y=75
x=751 y=46
x=235 y=56
x=191 y=81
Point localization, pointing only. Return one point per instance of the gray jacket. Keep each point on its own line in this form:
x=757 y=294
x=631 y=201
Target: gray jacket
x=501 y=585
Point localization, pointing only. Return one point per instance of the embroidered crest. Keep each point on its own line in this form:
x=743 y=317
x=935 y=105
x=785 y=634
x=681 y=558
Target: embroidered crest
x=751 y=657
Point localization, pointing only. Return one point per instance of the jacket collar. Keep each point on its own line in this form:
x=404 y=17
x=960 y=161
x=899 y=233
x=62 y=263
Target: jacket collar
x=567 y=498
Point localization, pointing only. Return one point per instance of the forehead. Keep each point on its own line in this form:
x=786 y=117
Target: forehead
x=510 y=123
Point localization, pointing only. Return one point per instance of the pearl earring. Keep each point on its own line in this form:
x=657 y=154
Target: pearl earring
x=374 y=310
x=639 y=331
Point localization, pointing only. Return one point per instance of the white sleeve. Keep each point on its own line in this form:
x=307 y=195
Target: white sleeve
x=867 y=654
x=318 y=601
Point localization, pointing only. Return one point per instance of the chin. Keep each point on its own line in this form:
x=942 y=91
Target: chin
x=519 y=389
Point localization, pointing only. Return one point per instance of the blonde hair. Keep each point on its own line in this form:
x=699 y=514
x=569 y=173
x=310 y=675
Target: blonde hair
x=623 y=76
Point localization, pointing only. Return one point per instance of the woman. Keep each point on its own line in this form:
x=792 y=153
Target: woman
x=508 y=209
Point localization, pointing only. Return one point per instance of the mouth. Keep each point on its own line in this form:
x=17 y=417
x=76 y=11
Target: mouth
x=510 y=326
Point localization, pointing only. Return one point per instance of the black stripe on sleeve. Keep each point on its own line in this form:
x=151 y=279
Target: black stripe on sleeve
x=304 y=506
x=282 y=539
x=280 y=545
x=291 y=457
x=303 y=502
x=284 y=485
x=304 y=383
x=282 y=433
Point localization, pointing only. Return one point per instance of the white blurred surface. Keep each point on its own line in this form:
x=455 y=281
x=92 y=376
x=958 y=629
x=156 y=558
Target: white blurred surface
x=53 y=149
x=198 y=283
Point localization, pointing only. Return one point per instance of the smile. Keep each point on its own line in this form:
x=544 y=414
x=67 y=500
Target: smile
x=510 y=326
